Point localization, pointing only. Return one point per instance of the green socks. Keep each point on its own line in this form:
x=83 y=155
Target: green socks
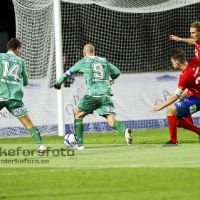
x=119 y=126
x=79 y=130
x=36 y=135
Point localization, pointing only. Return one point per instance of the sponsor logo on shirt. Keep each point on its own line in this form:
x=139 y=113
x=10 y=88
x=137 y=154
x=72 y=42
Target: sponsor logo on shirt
x=110 y=109
x=8 y=81
x=19 y=111
x=193 y=109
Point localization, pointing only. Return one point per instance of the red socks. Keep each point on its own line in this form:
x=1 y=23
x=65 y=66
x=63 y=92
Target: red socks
x=172 y=124
x=184 y=123
x=189 y=119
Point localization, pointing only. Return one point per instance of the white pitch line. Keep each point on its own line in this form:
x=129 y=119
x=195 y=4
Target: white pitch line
x=104 y=167
x=36 y=172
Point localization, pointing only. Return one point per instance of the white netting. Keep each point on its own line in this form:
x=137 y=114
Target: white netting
x=35 y=28
x=137 y=6
x=135 y=40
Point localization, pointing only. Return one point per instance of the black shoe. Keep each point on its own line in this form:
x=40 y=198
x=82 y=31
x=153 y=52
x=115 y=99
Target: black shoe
x=170 y=144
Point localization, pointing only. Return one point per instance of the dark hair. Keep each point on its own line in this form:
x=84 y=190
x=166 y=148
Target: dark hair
x=195 y=25
x=178 y=55
x=13 y=44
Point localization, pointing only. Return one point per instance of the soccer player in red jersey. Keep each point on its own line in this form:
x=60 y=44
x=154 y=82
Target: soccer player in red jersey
x=194 y=40
x=189 y=84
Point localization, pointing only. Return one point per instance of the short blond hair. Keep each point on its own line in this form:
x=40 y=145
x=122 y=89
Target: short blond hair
x=89 y=48
x=195 y=25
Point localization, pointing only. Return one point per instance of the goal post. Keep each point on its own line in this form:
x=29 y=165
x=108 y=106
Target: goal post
x=59 y=65
x=133 y=35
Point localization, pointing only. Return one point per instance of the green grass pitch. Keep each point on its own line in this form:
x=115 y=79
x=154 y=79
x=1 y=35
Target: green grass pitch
x=107 y=169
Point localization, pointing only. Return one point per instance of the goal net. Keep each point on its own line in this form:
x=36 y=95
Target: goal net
x=133 y=35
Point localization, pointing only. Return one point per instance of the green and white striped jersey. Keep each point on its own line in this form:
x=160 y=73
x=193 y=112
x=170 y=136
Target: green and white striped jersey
x=13 y=76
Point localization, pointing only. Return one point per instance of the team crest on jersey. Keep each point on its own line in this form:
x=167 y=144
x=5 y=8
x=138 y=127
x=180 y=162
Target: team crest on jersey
x=19 y=111
x=110 y=109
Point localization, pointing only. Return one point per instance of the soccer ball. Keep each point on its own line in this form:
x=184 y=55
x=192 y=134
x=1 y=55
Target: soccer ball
x=70 y=140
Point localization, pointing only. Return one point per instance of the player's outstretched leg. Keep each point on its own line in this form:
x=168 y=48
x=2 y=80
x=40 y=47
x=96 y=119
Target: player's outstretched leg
x=189 y=119
x=26 y=121
x=36 y=136
x=119 y=126
x=184 y=123
x=79 y=132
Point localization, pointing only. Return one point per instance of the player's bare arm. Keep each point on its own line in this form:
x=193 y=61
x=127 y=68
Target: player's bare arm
x=183 y=95
x=178 y=39
x=175 y=38
x=168 y=102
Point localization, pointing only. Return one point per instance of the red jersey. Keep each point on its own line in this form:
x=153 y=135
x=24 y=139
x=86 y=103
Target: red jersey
x=197 y=51
x=190 y=78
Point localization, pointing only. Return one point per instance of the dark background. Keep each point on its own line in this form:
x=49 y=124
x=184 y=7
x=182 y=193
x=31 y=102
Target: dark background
x=134 y=42
x=7 y=23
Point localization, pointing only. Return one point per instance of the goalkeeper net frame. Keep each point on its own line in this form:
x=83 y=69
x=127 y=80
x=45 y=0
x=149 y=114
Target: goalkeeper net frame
x=133 y=35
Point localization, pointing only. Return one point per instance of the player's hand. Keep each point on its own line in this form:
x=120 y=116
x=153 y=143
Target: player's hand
x=57 y=87
x=173 y=37
x=157 y=108
x=112 y=82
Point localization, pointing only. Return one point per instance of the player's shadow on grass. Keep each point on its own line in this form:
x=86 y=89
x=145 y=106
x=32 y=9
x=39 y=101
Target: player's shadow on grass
x=163 y=142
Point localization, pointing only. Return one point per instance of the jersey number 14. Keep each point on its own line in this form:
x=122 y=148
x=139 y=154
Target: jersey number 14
x=13 y=71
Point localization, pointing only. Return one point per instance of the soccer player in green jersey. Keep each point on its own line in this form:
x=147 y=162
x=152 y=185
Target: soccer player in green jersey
x=13 y=76
x=97 y=72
